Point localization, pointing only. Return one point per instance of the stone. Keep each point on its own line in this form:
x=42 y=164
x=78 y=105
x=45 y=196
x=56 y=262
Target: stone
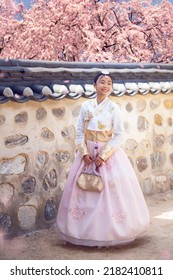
x=68 y=133
x=131 y=144
x=145 y=144
x=76 y=111
x=33 y=201
x=50 y=210
x=21 y=118
x=27 y=216
x=50 y=180
x=15 y=140
x=147 y=186
x=6 y=192
x=158 y=120
x=58 y=112
x=141 y=163
x=5 y=222
x=14 y=165
x=129 y=107
x=62 y=156
x=47 y=135
x=141 y=105
x=41 y=113
x=159 y=140
x=142 y=124
x=170 y=180
x=170 y=122
x=161 y=183
x=157 y=159
x=154 y=103
x=170 y=138
x=42 y=159
x=168 y=104
x=171 y=157
x=2 y=119
x=28 y=186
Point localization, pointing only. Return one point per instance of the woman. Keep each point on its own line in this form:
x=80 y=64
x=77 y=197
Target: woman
x=118 y=214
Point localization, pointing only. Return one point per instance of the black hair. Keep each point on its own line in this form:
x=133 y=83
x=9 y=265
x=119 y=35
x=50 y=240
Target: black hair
x=102 y=74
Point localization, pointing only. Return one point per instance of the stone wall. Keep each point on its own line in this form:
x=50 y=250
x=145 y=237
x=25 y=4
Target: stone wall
x=38 y=147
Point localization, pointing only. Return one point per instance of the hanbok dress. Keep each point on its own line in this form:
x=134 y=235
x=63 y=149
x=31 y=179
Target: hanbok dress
x=118 y=214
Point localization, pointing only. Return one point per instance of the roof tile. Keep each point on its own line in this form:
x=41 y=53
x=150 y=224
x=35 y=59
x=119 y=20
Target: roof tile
x=23 y=80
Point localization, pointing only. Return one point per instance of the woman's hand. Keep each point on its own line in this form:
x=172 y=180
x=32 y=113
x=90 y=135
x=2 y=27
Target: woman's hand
x=87 y=159
x=98 y=161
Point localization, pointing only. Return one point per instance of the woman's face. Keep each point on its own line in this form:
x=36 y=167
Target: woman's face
x=103 y=86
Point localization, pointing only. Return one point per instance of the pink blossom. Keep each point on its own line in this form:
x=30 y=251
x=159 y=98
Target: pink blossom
x=87 y=30
x=119 y=216
x=77 y=213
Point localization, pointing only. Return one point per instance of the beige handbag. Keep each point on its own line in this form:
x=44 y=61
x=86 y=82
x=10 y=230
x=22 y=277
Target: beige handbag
x=90 y=182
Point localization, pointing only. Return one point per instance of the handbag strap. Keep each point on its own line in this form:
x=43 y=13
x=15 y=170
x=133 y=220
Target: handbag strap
x=93 y=169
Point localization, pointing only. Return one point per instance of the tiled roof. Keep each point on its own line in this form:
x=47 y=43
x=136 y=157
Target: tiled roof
x=23 y=80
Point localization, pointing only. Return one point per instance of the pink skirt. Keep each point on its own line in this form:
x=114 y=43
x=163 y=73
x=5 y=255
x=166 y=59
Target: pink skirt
x=116 y=215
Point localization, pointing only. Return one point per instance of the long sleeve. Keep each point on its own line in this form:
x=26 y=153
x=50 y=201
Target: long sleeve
x=117 y=138
x=80 y=137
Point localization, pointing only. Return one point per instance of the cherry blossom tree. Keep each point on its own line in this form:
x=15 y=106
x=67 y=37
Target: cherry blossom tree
x=87 y=30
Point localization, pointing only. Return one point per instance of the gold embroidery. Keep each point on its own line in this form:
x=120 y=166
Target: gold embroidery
x=100 y=136
x=82 y=149
x=106 y=152
x=88 y=116
x=101 y=126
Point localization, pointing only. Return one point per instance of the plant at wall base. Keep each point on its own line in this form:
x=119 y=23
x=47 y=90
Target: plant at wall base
x=88 y=30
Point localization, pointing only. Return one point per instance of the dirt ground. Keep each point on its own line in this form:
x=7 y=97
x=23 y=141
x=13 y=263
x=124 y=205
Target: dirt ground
x=157 y=244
